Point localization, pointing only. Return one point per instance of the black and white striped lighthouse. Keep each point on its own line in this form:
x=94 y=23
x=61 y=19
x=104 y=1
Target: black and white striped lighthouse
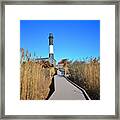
x=51 y=52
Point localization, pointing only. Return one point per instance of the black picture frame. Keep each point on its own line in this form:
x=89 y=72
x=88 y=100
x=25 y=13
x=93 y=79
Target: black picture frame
x=2 y=62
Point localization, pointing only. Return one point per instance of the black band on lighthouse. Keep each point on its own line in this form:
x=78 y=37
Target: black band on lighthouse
x=50 y=39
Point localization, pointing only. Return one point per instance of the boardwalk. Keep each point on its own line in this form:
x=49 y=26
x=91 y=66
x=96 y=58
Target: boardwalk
x=64 y=90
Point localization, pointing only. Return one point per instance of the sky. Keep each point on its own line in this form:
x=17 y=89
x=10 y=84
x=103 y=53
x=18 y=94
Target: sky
x=73 y=39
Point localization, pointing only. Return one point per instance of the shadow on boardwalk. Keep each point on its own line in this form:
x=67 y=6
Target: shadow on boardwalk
x=52 y=89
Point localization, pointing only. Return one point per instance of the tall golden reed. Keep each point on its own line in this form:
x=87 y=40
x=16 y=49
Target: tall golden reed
x=34 y=81
x=35 y=78
x=87 y=75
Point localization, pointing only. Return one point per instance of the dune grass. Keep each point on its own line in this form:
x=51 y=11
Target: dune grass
x=86 y=75
x=35 y=80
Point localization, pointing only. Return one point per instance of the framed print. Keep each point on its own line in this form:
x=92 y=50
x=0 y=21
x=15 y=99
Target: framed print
x=59 y=59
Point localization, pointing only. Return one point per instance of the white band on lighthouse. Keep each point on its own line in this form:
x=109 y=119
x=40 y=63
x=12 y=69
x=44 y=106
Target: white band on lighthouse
x=51 y=48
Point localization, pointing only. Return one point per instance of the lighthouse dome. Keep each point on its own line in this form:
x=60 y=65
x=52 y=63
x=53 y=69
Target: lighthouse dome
x=51 y=34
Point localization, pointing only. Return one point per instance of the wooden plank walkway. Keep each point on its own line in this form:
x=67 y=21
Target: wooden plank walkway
x=64 y=90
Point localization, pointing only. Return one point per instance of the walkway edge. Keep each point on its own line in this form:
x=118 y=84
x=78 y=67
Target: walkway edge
x=84 y=92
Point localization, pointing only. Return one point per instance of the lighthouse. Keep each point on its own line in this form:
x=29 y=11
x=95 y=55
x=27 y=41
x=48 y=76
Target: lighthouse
x=51 y=52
